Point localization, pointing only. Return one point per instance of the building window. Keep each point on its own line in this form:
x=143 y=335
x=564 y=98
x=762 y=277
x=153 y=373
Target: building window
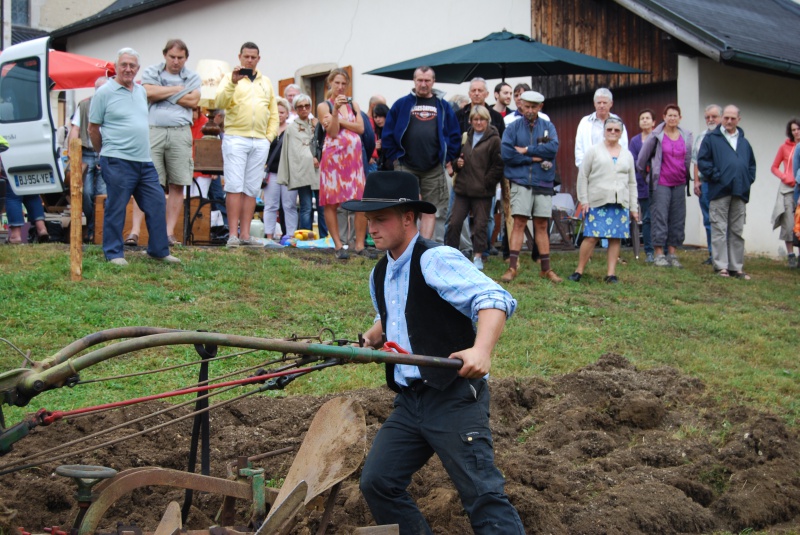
x=21 y=12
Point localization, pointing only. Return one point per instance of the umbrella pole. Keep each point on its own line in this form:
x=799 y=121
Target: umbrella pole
x=506 y=193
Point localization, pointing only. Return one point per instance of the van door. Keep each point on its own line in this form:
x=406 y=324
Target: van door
x=31 y=162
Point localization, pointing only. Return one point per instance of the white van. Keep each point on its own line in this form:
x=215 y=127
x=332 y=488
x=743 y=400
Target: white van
x=31 y=162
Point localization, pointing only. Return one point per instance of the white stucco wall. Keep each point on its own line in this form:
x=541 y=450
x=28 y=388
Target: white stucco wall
x=766 y=103
x=365 y=35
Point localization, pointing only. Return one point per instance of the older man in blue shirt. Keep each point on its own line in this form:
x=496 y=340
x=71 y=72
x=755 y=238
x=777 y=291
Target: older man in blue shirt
x=120 y=108
x=429 y=299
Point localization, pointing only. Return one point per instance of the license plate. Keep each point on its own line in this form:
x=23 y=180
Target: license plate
x=34 y=178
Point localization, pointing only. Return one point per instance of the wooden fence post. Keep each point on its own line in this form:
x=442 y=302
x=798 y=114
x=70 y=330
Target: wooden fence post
x=76 y=209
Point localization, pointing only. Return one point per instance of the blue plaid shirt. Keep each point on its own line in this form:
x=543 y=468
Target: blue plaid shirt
x=454 y=278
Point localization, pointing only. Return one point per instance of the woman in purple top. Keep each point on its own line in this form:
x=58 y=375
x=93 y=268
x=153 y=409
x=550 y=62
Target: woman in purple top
x=647 y=120
x=667 y=154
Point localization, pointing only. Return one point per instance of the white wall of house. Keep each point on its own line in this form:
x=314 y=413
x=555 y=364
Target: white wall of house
x=767 y=102
x=294 y=35
x=52 y=14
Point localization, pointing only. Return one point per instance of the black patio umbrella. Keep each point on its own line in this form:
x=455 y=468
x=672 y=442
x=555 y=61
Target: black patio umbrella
x=502 y=55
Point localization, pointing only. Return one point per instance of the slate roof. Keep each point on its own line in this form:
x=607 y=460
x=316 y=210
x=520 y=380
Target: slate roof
x=747 y=33
x=121 y=9
x=20 y=34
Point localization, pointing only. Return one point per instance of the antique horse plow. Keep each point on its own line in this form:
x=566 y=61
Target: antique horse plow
x=332 y=449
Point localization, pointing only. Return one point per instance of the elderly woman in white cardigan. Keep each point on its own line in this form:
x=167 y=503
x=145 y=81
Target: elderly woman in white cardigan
x=606 y=195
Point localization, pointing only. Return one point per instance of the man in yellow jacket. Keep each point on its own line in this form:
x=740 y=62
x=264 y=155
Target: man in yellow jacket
x=251 y=124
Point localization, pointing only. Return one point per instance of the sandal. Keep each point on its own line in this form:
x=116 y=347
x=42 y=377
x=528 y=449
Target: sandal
x=741 y=275
x=173 y=241
x=132 y=240
x=43 y=238
x=723 y=273
x=367 y=253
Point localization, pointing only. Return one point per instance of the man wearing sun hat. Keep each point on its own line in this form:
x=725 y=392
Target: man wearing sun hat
x=428 y=299
x=529 y=150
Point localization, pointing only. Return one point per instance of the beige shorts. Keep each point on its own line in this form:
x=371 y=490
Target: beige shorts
x=171 y=151
x=525 y=203
x=432 y=186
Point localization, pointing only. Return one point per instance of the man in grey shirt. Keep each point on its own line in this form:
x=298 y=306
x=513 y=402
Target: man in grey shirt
x=172 y=92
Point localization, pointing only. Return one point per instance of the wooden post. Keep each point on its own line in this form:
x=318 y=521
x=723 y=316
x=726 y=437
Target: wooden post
x=76 y=209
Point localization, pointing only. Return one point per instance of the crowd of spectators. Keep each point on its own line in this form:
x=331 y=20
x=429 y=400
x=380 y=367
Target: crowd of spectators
x=461 y=150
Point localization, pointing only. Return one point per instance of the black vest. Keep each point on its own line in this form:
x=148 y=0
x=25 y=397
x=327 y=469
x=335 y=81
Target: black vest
x=435 y=327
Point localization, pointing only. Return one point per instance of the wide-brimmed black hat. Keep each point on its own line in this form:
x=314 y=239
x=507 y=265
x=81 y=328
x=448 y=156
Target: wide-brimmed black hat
x=385 y=189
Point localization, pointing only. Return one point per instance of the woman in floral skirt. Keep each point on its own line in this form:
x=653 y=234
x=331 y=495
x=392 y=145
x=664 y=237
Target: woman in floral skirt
x=606 y=194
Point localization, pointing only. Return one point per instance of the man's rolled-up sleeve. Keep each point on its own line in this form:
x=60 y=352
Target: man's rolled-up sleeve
x=460 y=283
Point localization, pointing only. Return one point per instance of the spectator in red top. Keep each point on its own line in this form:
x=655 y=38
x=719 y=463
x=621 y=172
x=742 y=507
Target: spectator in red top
x=783 y=213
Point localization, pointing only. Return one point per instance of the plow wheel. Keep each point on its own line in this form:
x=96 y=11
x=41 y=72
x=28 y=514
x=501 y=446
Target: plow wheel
x=332 y=450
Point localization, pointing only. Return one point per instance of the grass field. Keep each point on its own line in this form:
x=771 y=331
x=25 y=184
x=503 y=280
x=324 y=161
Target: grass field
x=739 y=338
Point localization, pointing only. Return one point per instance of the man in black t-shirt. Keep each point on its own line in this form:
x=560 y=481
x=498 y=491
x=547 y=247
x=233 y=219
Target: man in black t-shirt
x=421 y=136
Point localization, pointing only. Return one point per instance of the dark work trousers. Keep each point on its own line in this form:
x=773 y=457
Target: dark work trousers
x=462 y=206
x=454 y=424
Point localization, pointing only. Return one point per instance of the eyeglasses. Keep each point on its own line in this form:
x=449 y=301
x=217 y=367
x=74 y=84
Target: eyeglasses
x=614 y=130
x=303 y=106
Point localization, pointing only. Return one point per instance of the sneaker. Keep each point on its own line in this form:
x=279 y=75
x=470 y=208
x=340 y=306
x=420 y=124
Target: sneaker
x=611 y=279
x=673 y=261
x=168 y=259
x=650 y=258
x=575 y=277
x=233 y=242
x=478 y=263
x=493 y=251
x=341 y=254
x=251 y=242
x=661 y=261
x=509 y=275
x=792 y=261
x=119 y=261
x=551 y=276
x=708 y=262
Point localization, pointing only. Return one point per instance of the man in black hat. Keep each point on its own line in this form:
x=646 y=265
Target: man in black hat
x=428 y=299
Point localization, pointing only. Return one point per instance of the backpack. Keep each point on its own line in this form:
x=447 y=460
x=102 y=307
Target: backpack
x=319 y=137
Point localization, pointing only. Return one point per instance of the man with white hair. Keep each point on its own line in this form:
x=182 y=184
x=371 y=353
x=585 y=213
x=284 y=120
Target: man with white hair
x=712 y=118
x=289 y=93
x=120 y=108
x=590 y=129
x=477 y=97
x=727 y=163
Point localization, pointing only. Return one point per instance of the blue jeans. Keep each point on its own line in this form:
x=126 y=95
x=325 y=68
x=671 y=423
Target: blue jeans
x=217 y=194
x=644 y=206
x=306 y=208
x=33 y=203
x=140 y=179
x=454 y=424
x=93 y=185
x=704 y=204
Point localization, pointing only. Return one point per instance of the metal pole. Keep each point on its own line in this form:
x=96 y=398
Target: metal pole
x=36 y=382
